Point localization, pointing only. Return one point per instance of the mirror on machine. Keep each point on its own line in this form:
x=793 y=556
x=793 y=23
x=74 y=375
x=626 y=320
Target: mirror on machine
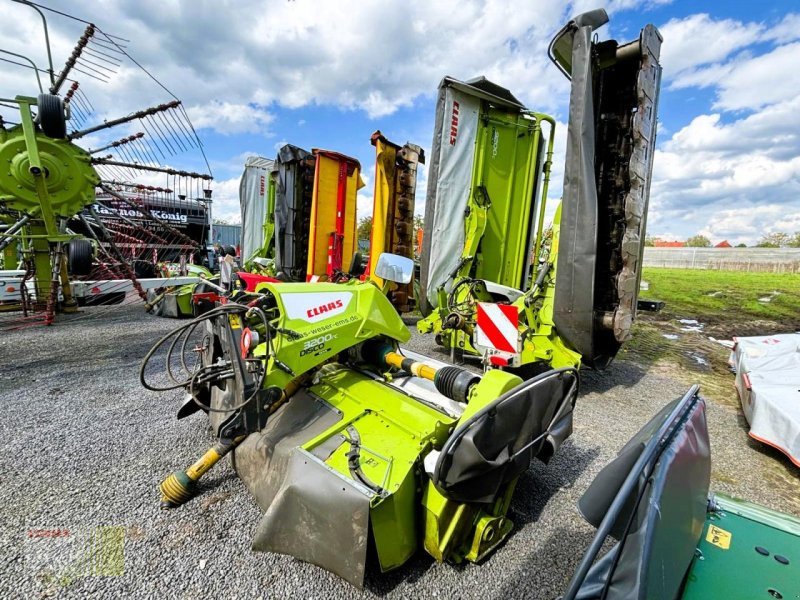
x=394 y=268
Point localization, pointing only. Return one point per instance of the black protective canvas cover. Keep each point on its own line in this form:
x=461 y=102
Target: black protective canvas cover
x=497 y=443
x=293 y=195
x=610 y=147
x=661 y=521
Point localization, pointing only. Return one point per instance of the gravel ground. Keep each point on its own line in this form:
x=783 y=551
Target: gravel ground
x=85 y=446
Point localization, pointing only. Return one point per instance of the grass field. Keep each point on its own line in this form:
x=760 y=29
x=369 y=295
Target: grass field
x=723 y=298
x=725 y=304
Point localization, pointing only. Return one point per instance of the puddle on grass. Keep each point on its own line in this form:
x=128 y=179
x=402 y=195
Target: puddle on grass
x=691 y=325
x=772 y=295
x=700 y=359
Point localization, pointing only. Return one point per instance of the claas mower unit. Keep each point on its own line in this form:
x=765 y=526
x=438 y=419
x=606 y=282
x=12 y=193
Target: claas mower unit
x=393 y=210
x=314 y=213
x=349 y=444
x=504 y=287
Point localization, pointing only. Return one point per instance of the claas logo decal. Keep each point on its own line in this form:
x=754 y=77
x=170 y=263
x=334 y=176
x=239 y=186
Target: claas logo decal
x=454 y=124
x=318 y=310
x=315 y=306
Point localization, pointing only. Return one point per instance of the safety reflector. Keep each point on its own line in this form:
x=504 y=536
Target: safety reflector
x=498 y=361
x=244 y=342
x=248 y=341
x=497 y=327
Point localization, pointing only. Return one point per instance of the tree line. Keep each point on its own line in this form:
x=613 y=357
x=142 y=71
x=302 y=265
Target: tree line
x=777 y=239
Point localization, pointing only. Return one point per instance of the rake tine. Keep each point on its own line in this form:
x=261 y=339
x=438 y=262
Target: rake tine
x=156 y=126
x=90 y=75
x=171 y=130
x=83 y=59
x=149 y=147
x=182 y=129
x=85 y=97
x=91 y=51
x=154 y=140
x=97 y=72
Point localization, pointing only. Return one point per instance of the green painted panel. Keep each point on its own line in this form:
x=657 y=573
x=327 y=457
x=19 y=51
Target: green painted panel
x=395 y=431
x=506 y=164
x=729 y=567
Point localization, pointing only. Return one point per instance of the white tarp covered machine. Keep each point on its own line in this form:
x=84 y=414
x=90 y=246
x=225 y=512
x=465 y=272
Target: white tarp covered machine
x=768 y=381
x=253 y=201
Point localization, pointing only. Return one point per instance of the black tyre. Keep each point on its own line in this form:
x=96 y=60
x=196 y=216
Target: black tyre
x=144 y=269
x=357 y=267
x=79 y=257
x=51 y=117
x=107 y=299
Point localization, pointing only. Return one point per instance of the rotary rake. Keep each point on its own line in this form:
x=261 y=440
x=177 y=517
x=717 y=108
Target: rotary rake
x=87 y=226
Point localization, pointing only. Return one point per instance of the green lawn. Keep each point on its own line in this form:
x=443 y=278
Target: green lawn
x=714 y=296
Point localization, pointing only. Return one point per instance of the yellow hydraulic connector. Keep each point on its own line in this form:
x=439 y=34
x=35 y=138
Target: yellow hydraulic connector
x=180 y=486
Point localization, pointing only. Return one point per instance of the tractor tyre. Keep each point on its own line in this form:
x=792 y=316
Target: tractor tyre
x=52 y=118
x=79 y=257
x=144 y=269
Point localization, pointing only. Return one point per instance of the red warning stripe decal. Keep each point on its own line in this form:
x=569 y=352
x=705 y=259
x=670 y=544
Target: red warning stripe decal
x=497 y=327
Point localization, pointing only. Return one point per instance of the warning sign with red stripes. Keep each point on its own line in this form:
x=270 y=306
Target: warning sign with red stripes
x=497 y=327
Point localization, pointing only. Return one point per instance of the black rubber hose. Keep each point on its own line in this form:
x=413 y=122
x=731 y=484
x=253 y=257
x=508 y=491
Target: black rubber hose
x=224 y=309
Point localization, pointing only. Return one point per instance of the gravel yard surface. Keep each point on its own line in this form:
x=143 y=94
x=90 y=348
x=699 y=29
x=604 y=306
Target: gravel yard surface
x=84 y=446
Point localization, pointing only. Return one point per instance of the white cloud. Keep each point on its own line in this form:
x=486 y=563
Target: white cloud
x=699 y=40
x=762 y=80
x=788 y=30
x=228 y=118
x=733 y=173
x=226 y=200
x=748 y=224
x=377 y=58
x=233 y=64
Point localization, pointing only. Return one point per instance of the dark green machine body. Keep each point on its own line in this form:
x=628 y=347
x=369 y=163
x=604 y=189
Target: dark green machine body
x=673 y=538
x=745 y=551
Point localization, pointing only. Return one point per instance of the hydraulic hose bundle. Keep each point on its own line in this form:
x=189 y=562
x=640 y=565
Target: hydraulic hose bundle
x=179 y=487
x=200 y=374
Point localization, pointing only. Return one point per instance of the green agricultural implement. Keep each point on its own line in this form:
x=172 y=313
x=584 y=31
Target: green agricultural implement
x=349 y=444
x=57 y=249
x=673 y=539
x=503 y=287
x=257 y=189
x=357 y=450
x=48 y=180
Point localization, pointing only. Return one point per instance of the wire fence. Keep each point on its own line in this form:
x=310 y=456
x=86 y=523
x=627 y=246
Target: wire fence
x=764 y=260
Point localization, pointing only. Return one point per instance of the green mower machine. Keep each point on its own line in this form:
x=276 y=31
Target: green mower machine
x=349 y=444
x=502 y=287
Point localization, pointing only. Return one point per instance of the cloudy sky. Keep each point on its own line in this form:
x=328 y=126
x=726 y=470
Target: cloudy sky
x=255 y=75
